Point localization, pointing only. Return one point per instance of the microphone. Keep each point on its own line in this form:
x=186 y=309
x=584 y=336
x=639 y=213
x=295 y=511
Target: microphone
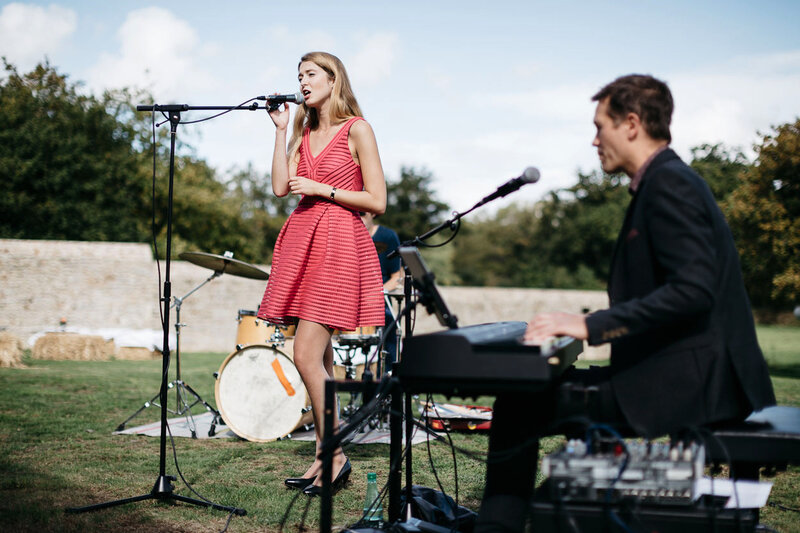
x=296 y=98
x=274 y=101
x=531 y=175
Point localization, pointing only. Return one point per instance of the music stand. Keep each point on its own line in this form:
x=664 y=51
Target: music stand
x=423 y=280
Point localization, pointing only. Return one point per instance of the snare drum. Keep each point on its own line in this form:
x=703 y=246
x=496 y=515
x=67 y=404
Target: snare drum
x=253 y=330
x=260 y=394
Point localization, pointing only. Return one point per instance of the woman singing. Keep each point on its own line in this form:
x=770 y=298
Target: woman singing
x=325 y=271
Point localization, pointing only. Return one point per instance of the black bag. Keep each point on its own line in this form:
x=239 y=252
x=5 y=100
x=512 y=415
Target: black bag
x=437 y=508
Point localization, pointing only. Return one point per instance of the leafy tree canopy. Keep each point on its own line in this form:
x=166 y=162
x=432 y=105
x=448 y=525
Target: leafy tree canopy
x=721 y=167
x=564 y=241
x=764 y=214
x=411 y=206
x=67 y=166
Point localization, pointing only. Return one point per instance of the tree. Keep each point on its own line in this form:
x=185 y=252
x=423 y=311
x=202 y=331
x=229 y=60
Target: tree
x=764 y=215
x=67 y=166
x=77 y=167
x=580 y=226
x=563 y=241
x=720 y=167
x=263 y=213
x=411 y=205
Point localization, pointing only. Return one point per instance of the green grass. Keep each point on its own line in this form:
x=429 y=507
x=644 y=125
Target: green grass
x=57 y=451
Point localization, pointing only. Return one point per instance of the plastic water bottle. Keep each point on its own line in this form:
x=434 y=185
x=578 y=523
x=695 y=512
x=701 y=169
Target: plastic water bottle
x=373 y=510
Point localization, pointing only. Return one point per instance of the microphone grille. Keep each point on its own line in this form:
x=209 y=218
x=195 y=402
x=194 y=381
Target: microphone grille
x=531 y=175
x=298 y=98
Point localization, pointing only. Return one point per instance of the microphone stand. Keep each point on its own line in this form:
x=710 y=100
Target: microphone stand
x=163 y=489
x=395 y=425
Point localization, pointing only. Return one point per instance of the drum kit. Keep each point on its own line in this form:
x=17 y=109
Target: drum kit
x=258 y=390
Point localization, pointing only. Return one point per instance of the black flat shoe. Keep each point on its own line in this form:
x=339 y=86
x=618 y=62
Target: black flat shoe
x=299 y=483
x=341 y=479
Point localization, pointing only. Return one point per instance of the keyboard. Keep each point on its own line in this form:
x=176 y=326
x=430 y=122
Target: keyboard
x=483 y=359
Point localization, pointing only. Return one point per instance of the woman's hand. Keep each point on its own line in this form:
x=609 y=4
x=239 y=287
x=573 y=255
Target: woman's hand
x=280 y=117
x=301 y=185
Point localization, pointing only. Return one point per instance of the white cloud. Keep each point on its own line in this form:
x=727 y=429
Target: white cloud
x=158 y=51
x=486 y=139
x=28 y=33
x=374 y=60
x=732 y=102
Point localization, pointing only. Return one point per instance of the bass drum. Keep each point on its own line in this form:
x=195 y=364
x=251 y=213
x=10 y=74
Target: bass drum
x=260 y=394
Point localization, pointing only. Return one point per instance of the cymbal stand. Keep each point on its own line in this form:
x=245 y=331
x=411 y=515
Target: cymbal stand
x=181 y=388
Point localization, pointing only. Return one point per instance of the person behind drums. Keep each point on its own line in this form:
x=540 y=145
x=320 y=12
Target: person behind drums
x=325 y=271
x=390 y=271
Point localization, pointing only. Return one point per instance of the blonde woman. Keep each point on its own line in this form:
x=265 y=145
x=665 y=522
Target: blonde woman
x=325 y=272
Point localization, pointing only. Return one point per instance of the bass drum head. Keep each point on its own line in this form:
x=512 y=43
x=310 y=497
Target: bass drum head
x=260 y=394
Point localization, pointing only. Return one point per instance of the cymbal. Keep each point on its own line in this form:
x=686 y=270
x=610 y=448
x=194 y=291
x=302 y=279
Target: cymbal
x=225 y=265
x=380 y=246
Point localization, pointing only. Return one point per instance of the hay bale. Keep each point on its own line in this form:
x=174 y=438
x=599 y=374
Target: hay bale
x=11 y=350
x=133 y=353
x=60 y=346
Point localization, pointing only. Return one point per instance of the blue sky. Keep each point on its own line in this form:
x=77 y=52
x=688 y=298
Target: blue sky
x=472 y=91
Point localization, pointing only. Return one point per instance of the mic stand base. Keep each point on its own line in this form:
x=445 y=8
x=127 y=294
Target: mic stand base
x=162 y=490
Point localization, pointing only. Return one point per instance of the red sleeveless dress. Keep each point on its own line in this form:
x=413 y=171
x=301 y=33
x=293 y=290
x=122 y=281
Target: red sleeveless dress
x=325 y=268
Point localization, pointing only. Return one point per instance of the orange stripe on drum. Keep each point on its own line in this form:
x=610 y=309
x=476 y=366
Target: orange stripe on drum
x=276 y=366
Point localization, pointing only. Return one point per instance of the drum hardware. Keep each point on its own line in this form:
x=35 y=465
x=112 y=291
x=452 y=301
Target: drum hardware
x=346 y=346
x=277 y=339
x=304 y=427
x=254 y=330
x=182 y=390
x=186 y=396
x=398 y=294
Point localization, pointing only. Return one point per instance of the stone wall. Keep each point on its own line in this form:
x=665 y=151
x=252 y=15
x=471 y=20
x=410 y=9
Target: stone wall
x=99 y=286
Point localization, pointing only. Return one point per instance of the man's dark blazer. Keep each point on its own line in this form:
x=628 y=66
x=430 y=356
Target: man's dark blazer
x=683 y=343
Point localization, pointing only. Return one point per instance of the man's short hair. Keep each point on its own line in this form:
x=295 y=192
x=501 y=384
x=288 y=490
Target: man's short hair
x=643 y=95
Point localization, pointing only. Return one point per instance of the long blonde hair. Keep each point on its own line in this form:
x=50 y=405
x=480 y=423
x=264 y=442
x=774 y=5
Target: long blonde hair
x=343 y=102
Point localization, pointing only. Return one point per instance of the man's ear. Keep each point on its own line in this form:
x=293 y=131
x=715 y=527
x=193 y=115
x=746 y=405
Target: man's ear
x=633 y=125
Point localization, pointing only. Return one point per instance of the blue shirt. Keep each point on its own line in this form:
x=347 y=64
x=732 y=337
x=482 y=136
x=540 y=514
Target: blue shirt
x=392 y=241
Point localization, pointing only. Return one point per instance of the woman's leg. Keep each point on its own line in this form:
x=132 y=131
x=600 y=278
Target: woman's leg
x=313 y=357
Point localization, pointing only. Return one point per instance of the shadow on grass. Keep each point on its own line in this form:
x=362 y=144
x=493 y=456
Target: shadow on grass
x=34 y=500
x=785 y=370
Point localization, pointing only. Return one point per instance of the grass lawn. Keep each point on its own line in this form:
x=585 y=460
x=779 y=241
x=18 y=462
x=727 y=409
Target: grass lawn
x=57 y=451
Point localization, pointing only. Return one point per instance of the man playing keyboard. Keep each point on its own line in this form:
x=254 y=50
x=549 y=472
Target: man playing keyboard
x=683 y=345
